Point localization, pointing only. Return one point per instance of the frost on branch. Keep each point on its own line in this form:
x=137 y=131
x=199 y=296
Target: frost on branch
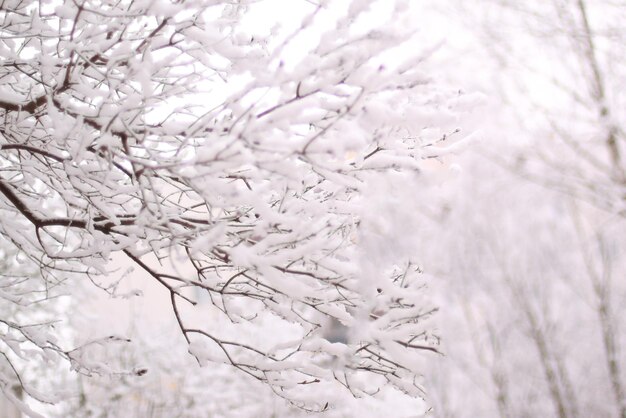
x=210 y=157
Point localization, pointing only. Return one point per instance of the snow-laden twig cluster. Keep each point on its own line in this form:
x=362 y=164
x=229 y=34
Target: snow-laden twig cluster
x=214 y=161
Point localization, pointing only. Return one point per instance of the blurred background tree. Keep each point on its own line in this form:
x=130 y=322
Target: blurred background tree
x=533 y=267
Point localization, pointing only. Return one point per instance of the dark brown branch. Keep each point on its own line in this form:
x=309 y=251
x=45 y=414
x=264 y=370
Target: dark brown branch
x=29 y=107
x=418 y=347
x=157 y=276
x=32 y=150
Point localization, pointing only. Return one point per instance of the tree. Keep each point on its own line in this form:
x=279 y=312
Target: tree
x=224 y=160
